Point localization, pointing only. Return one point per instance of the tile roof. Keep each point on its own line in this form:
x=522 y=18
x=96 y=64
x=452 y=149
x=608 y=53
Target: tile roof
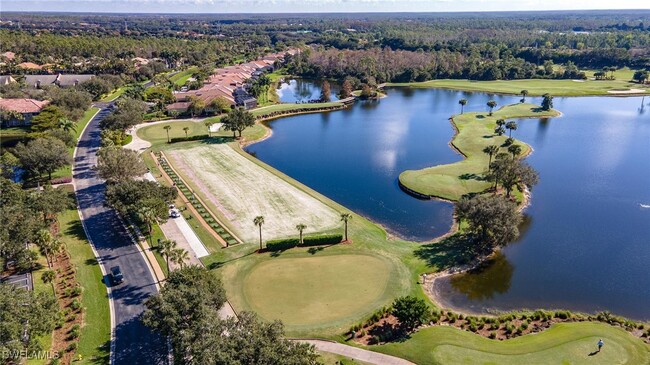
x=23 y=105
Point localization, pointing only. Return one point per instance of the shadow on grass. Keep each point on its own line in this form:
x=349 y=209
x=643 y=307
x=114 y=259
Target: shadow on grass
x=469 y=176
x=218 y=264
x=76 y=230
x=217 y=140
x=455 y=250
x=105 y=357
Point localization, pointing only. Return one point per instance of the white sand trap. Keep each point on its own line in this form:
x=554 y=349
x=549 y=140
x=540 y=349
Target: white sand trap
x=578 y=80
x=215 y=127
x=242 y=190
x=631 y=91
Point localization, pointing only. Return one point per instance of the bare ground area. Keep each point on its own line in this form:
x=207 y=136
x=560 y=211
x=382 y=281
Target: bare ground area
x=242 y=190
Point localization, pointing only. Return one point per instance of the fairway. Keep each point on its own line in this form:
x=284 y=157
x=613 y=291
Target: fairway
x=566 y=343
x=475 y=132
x=240 y=190
x=316 y=290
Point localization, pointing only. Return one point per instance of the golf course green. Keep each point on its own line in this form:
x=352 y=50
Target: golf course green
x=475 y=132
x=564 y=343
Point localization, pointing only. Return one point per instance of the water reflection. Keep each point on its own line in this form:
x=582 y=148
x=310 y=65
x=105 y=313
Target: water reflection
x=492 y=277
x=302 y=91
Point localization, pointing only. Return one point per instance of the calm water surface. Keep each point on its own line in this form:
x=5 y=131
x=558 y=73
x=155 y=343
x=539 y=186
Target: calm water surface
x=586 y=244
x=301 y=90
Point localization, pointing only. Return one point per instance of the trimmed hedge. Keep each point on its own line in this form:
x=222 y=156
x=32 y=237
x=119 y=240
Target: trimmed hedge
x=191 y=138
x=326 y=239
x=285 y=244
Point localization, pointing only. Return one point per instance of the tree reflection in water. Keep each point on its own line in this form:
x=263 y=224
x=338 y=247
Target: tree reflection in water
x=492 y=277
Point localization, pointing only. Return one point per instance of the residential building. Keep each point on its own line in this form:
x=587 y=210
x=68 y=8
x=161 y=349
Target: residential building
x=38 y=81
x=27 y=107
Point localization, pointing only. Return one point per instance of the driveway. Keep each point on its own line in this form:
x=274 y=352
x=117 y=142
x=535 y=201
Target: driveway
x=133 y=343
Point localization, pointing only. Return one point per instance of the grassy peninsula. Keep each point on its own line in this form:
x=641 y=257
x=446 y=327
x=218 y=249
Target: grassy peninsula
x=475 y=131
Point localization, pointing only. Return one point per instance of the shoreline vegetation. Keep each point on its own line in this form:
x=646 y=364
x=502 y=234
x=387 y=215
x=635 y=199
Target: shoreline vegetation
x=621 y=86
x=473 y=132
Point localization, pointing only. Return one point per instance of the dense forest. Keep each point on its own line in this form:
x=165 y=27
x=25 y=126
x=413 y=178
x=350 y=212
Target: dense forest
x=388 y=47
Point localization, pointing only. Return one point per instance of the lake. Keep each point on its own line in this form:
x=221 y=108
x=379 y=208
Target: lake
x=302 y=91
x=586 y=242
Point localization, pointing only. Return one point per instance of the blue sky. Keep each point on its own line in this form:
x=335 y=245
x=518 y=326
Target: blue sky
x=288 y=6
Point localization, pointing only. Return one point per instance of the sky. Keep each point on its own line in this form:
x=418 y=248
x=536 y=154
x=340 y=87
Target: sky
x=317 y=6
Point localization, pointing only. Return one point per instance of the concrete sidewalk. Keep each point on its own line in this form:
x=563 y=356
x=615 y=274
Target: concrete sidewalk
x=357 y=353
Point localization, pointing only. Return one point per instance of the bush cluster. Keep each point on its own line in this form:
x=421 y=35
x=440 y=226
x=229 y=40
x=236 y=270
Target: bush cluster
x=287 y=243
x=190 y=138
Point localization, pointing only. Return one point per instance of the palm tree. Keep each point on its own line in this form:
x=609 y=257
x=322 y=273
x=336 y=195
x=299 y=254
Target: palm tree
x=515 y=149
x=44 y=241
x=491 y=104
x=185 y=129
x=167 y=128
x=48 y=277
x=499 y=130
x=300 y=227
x=462 y=103
x=148 y=217
x=511 y=126
x=166 y=249
x=345 y=217
x=179 y=256
x=67 y=125
x=208 y=124
x=258 y=221
x=523 y=93
x=491 y=150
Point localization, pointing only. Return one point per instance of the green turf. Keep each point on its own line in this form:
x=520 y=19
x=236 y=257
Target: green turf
x=475 y=131
x=41 y=287
x=328 y=358
x=317 y=290
x=94 y=342
x=567 y=343
x=181 y=78
x=537 y=87
x=114 y=94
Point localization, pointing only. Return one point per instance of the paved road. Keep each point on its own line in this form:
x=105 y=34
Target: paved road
x=357 y=353
x=134 y=343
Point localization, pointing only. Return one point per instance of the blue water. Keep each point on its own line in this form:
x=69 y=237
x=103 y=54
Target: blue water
x=587 y=243
x=302 y=91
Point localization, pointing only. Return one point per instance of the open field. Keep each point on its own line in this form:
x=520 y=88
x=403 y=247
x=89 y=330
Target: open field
x=241 y=190
x=181 y=78
x=537 y=87
x=566 y=343
x=315 y=290
x=475 y=132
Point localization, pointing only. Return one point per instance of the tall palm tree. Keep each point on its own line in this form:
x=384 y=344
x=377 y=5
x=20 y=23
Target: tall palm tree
x=515 y=149
x=345 y=217
x=462 y=103
x=511 y=126
x=501 y=122
x=300 y=227
x=167 y=128
x=148 y=217
x=166 y=249
x=499 y=130
x=48 y=277
x=491 y=150
x=208 y=124
x=44 y=241
x=258 y=221
x=67 y=125
x=523 y=93
x=491 y=104
x=186 y=129
x=179 y=256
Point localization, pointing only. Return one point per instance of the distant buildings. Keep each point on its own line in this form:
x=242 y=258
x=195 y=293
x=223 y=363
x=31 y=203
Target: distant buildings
x=6 y=80
x=38 y=81
x=230 y=83
x=28 y=108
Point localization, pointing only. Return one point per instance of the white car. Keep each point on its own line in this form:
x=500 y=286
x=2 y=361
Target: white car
x=174 y=213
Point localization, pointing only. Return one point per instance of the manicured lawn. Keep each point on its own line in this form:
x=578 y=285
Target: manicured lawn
x=476 y=131
x=315 y=290
x=537 y=87
x=328 y=358
x=241 y=190
x=115 y=94
x=567 y=343
x=157 y=134
x=181 y=78
x=41 y=287
x=94 y=342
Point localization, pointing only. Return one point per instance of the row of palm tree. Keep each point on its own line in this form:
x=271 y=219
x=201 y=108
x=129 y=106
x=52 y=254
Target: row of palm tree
x=177 y=255
x=491 y=103
x=259 y=221
x=168 y=127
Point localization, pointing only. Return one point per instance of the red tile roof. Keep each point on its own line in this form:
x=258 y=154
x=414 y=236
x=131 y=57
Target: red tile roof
x=23 y=105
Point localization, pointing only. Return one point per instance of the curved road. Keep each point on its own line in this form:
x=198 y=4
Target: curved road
x=133 y=343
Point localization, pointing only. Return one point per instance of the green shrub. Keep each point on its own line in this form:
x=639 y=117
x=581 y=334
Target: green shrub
x=492 y=335
x=75 y=305
x=282 y=244
x=72 y=347
x=190 y=138
x=326 y=239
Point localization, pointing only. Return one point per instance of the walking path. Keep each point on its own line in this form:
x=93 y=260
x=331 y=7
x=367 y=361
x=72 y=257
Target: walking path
x=357 y=353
